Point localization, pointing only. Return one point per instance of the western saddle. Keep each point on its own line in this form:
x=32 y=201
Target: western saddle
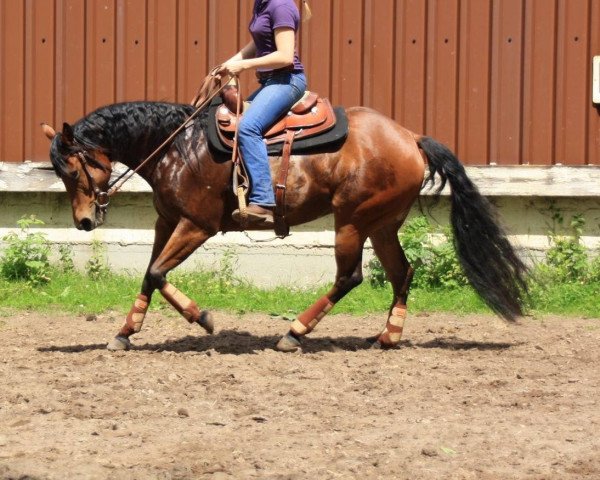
x=309 y=117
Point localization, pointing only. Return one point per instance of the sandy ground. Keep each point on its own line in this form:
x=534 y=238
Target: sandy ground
x=463 y=398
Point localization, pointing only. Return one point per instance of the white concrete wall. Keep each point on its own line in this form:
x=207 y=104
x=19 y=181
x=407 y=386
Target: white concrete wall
x=306 y=257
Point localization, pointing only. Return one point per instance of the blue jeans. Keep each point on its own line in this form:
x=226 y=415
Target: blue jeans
x=269 y=103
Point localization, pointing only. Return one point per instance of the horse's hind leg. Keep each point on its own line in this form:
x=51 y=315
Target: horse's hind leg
x=348 y=255
x=399 y=272
x=171 y=247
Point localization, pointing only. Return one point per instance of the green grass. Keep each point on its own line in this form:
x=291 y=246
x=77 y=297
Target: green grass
x=77 y=293
x=70 y=292
x=567 y=299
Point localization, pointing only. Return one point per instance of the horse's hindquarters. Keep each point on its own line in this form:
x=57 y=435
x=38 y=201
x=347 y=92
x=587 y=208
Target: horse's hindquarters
x=373 y=180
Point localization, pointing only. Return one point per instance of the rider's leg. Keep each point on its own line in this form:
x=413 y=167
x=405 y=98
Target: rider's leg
x=269 y=104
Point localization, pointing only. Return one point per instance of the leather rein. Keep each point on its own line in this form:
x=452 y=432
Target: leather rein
x=210 y=88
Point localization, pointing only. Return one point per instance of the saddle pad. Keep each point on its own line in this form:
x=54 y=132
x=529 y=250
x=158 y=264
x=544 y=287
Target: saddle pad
x=330 y=141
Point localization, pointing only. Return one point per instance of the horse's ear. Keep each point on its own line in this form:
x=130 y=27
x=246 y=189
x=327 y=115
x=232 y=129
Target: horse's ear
x=48 y=131
x=67 y=133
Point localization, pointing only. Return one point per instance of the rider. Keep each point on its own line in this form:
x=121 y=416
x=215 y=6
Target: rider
x=272 y=52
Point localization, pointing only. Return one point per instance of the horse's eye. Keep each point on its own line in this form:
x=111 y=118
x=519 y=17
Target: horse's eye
x=74 y=174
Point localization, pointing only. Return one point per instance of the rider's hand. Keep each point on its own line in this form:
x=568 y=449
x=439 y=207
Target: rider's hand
x=232 y=67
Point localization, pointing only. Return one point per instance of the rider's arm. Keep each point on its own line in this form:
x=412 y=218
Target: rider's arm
x=249 y=51
x=282 y=57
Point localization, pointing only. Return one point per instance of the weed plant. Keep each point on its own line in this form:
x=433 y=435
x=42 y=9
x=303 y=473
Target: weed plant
x=65 y=262
x=97 y=266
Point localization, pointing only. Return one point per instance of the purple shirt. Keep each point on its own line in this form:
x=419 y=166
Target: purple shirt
x=269 y=15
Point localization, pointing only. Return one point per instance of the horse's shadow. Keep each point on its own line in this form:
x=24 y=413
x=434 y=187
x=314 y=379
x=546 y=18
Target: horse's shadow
x=455 y=343
x=235 y=342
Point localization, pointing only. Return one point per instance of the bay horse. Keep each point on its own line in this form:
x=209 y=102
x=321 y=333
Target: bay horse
x=369 y=184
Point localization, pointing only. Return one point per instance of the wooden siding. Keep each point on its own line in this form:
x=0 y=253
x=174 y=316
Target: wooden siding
x=504 y=82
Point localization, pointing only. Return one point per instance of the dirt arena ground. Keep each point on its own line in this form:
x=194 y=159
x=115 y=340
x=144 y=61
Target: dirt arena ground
x=464 y=398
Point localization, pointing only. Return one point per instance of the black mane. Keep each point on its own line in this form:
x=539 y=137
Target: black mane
x=127 y=131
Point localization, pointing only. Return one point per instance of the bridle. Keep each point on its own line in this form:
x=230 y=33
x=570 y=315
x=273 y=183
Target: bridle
x=101 y=198
x=210 y=88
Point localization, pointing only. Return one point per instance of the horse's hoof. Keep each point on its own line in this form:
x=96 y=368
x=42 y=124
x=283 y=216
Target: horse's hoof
x=118 y=344
x=377 y=345
x=206 y=321
x=288 y=343
x=373 y=343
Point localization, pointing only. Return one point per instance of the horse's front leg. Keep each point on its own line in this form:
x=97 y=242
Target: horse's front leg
x=135 y=318
x=171 y=247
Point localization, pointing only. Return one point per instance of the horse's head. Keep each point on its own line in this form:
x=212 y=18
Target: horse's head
x=85 y=172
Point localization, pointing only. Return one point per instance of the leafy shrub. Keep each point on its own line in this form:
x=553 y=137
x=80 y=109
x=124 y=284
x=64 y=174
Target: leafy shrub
x=432 y=256
x=26 y=256
x=431 y=252
x=375 y=273
x=443 y=269
x=567 y=259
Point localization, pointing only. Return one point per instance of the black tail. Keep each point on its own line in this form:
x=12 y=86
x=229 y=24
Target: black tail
x=488 y=259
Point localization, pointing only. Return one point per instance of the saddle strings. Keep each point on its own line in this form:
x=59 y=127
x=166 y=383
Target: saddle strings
x=239 y=173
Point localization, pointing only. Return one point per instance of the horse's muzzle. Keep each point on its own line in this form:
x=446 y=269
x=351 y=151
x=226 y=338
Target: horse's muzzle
x=86 y=224
x=92 y=220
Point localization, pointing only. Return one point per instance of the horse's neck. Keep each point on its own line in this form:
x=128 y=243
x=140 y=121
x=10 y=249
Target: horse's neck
x=144 y=163
x=141 y=141
x=130 y=133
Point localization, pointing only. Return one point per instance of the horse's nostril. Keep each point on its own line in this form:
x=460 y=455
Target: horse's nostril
x=86 y=224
